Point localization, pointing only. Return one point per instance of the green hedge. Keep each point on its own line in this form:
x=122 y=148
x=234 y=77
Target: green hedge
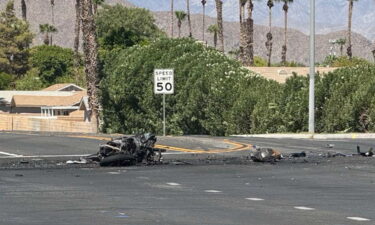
x=215 y=95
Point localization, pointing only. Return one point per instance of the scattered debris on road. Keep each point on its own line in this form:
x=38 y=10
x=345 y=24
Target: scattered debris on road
x=297 y=155
x=266 y=155
x=127 y=151
x=369 y=153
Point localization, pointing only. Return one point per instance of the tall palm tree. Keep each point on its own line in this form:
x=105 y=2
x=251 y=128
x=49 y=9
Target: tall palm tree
x=188 y=17
x=269 y=34
x=204 y=18
x=350 y=16
x=243 y=33
x=181 y=16
x=219 y=11
x=52 y=2
x=77 y=29
x=24 y=10
x=52 y=17
x=214 y=29
x=249 y=50
x=90 y=50
x=47 y=30
x=284 y=48
x=341 y=42
x=172 y=24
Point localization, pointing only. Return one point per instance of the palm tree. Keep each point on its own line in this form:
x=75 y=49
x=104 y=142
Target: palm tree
x=219 y=11
x=47 y=30
x=249 y=48
x=350 y=16
x=214 y=29
x=90 y=50
x=242 y=4
x=172 y=10
x=52 y=17
x=181 y=16
x=77 y=29
x=284 y=48
x=204 y=15
x=188 y=16
x=269 y=34
x=52 y=11
x=24 y=10
x=95 y=5
x=341 y=42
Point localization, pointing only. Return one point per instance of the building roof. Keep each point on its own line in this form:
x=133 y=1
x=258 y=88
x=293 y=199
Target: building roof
x=6 y=96
x=39 y=101
x=60 y=87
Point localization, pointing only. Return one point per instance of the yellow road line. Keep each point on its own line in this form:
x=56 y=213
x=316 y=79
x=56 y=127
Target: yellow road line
x=237 y=146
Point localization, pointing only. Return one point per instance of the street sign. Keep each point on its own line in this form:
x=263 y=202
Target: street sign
x=163 y=81
x=164 y=84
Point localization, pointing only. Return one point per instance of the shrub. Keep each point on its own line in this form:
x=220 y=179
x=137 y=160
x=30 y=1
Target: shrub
x=52 y=62
x=205 y=88
x=5 y=80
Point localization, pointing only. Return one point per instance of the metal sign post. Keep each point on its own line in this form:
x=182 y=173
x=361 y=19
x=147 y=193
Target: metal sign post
x=164 y=84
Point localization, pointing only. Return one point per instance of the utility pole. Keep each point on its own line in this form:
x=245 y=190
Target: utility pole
x=312 y=69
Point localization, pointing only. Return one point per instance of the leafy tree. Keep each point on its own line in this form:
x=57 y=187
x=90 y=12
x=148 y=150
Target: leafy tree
x=15 y=38
x=31 y=81
x=5 y=80
x=205 y=88
x=344 y=61
x=121 y=27
x=52 y=62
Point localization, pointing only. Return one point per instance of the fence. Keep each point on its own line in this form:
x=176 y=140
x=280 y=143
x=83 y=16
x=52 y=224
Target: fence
x=29 y=123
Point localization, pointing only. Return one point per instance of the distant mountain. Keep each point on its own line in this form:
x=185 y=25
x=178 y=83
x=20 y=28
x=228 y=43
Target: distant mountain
x=39 y=12
x=298 y=42
x=331 y=15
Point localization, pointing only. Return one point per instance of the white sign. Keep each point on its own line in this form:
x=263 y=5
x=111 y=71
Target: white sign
x=163 y=81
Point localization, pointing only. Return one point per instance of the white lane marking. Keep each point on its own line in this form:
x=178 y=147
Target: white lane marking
x=212 y=191
x=10 y=154
x=303 y=208
x=114 y=173
x=358 y=218
x=255 y=199
x=174 y=184
x=176 y=153
x=40 y=156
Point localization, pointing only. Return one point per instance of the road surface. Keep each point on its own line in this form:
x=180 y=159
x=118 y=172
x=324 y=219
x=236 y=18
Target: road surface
x=335 y=191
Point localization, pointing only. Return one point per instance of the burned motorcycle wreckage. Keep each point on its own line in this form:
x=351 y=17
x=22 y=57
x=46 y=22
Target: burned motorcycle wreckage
x=127 y=151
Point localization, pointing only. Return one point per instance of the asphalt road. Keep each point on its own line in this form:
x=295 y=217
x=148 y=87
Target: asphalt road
x=335 y=191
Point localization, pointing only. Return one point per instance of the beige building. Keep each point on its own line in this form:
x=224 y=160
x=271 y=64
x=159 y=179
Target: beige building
x=58 y=108
x=281 y=74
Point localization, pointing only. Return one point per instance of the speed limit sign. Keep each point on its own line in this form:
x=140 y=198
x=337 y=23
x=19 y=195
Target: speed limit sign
x=163 y=81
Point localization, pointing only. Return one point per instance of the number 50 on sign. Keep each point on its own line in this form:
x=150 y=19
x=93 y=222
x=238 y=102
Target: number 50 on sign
x=163 y=81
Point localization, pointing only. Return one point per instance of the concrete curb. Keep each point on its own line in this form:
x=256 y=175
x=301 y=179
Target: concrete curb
x=312 y=136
